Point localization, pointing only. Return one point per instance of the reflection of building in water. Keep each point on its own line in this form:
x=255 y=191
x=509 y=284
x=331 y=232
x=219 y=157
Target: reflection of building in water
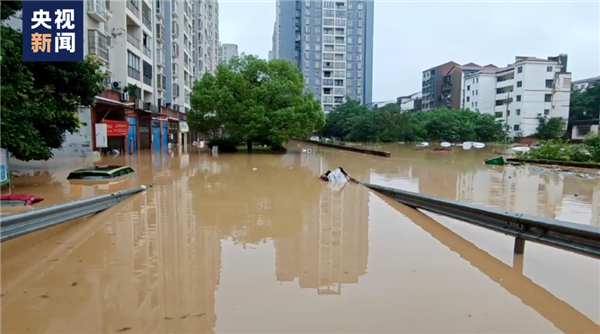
x=439 y=182
x=176 y=262
x=332 y=248
x=525 y=191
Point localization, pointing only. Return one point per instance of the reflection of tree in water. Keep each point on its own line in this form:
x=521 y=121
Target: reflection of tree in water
x=252 y=205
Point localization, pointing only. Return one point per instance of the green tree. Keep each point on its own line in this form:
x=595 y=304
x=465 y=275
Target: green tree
x=585 y=104
x=551 y=128
x=341 y=120
x=40 y=99
x=256 y=101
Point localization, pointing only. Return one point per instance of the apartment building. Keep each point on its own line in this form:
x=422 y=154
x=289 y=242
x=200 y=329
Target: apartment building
x=452 y=89
x=522 y=92
x=580 y=85
x=331 y=42
x=432 y=86
x=410 y=102
x=227 y=51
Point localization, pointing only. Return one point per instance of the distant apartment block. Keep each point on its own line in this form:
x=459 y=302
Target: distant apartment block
x=331 y=42
x=432 y=85
x=227 y=51
x=521 y=92
x=579 y=85
x=410 y=102
x=452 y=91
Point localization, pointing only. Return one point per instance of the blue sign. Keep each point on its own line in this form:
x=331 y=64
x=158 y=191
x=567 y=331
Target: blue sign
x=53 y=30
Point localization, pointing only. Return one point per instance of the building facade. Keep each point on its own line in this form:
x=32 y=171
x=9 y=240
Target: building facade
x=431 y=89
x=522 y=92
x=331 y=42
x=227 y=51
x=580 y=85
x=410 y=102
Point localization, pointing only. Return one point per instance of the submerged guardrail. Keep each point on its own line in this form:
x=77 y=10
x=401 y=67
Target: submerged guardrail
x=17 y=224
x=349 y=148
x=582 y=239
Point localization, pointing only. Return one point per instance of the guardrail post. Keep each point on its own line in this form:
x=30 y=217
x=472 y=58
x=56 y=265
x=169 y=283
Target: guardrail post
x=519 y=245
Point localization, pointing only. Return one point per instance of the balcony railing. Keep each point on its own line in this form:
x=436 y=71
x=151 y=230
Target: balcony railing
x=148 y=81
x=161 y=81
x=160 y=57
x=97 y=10
x=133 y=6
x=98 y=45
x=160 y=32
x=133 y=40
x=147 y=52
x=133 y=73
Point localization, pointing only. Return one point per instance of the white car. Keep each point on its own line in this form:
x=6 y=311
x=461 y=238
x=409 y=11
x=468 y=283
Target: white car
x=314 y=138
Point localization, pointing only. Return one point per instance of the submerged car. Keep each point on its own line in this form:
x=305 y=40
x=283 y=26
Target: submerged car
x=19 y=200
x=100 y=173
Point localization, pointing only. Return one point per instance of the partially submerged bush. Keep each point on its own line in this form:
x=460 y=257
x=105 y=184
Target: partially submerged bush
x=558 y=150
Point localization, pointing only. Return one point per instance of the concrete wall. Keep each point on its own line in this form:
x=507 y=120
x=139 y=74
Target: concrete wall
x=575 y=132
x=76 y=150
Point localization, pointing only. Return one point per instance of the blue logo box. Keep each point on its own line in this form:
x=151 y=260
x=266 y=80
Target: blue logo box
x=53 y=30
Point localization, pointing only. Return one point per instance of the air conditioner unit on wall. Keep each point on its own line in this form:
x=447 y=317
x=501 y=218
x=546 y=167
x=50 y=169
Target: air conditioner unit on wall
x=117 y=85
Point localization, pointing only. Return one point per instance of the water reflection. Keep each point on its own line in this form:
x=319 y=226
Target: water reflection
x=254 y=243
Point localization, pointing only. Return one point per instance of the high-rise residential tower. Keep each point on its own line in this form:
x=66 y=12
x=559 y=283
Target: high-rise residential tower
x=332 y=44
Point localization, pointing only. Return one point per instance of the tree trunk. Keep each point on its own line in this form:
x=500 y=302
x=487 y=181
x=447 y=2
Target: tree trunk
x=249 y=145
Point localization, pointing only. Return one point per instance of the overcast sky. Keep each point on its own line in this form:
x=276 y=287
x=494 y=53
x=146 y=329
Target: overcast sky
x=413 y=36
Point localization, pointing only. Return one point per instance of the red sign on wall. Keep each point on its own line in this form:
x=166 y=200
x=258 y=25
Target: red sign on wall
x=116 y=128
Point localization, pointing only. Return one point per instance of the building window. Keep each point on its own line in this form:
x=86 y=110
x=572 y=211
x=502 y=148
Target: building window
x=306 y=55
x=307 y=47
x=549 y=69
x=499 y=114
x=468 y=87
x=350 y=41
x=349 y=66
x=518 y=98
x=476 y=92
x=133 y=66
x=518 y=111
x=548 y=98
x=360 y=6
x=520 y=69
x=468 y=98
x=475 y=104
x=360 y=40
x=477 y=80
x=317 y=56
x=546 y=112
x=508 y=113
x=549 y=83
x=306 y=72
x=317 y=64
x=360 y=15
x=519 y=84
x=306 y=63
x=516 y=127
x=360 y=24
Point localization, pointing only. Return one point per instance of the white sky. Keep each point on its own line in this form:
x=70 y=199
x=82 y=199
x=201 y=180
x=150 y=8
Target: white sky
x=412 y=36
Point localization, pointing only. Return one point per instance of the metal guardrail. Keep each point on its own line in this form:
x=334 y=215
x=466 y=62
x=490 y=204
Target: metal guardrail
x=18 y=224
x=582 y=239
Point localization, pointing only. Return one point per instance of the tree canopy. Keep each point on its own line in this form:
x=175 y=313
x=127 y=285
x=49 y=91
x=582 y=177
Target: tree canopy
x=551 y=128
x=40 y=99
x=585 y=104
x=255 y=100
x=355 y=122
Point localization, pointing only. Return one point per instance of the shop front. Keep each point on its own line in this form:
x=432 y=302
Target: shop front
x=116 y=133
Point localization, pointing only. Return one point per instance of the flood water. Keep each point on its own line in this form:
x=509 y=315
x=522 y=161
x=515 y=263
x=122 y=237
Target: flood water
x=241 y=243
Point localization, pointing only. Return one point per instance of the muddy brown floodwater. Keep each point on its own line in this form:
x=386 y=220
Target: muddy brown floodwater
x=257 y=243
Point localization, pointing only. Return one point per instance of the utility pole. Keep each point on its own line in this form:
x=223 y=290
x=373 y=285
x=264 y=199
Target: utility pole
x=506 y=119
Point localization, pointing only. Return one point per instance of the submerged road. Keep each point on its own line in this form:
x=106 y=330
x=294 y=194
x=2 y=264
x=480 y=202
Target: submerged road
x=256 y=243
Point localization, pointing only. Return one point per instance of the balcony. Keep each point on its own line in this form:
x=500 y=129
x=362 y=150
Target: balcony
x=133 y=73
x=133 y=6
x=160 y=32
x=160 y=9
x=98 y=45
x=161 y=81
x=147 y=52
x=503 y=96
x=174 y=8
x=133 y=40
x=147 y=80
x=97 y=10
x=505 y=83
x=148 y=106
x=160 y=57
